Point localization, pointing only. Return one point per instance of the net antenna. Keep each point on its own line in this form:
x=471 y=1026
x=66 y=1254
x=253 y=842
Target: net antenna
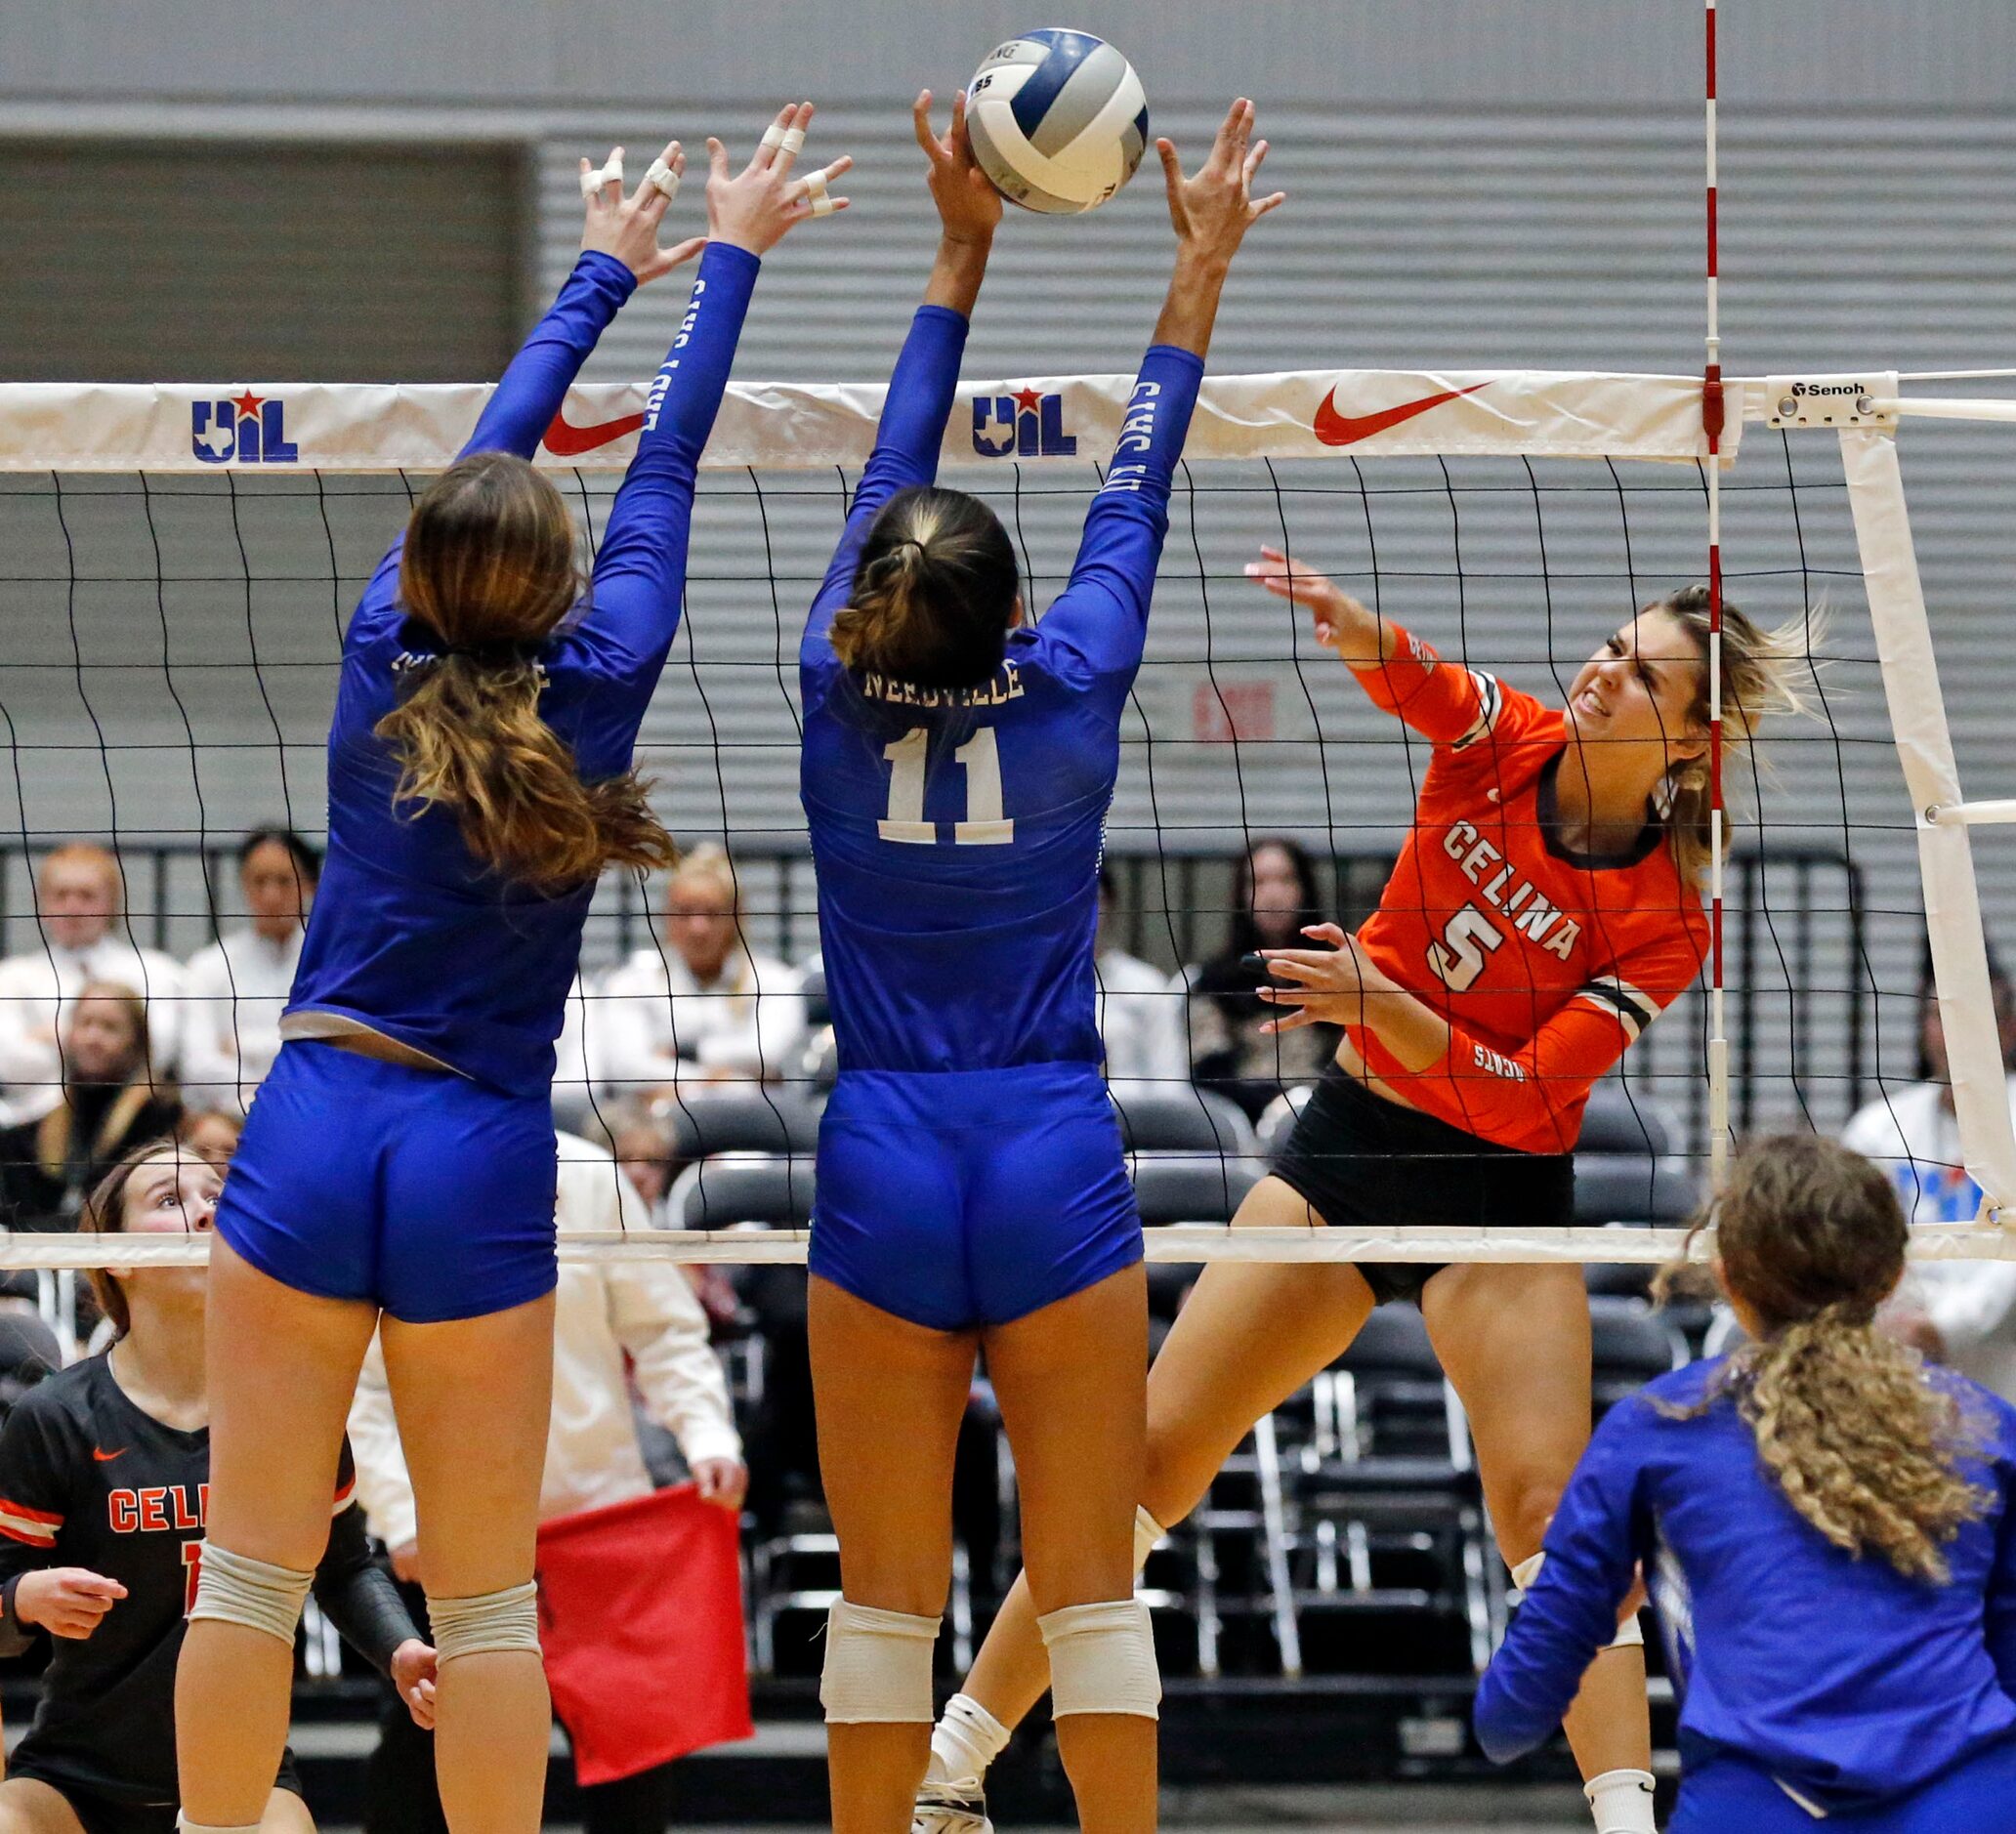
x=1713 y=416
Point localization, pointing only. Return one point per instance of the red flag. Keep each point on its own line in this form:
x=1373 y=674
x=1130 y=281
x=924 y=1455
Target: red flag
x=641 y=1618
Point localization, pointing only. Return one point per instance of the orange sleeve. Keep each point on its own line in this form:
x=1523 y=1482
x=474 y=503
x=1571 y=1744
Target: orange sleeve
x=1518 y=1098
x=1442 y=701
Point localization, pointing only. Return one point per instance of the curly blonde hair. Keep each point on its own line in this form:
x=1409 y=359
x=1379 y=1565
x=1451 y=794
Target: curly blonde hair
x=1865 y=1442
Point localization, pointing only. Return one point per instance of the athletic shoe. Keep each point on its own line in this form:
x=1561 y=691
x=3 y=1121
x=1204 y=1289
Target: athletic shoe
x=950 y=1809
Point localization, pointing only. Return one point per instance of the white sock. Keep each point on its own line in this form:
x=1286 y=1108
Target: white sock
x=1621 y=1802
x=184 y=1825
x=965 y=1742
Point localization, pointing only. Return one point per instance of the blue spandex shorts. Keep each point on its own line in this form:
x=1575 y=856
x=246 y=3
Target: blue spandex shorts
x=972 y=1198
x=420 y=1190
x=1728 y=1795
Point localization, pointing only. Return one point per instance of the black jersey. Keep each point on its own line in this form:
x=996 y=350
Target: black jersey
x=89 y=1479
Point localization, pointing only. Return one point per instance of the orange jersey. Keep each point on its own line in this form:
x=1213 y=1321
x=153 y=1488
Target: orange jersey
x=1547 y=964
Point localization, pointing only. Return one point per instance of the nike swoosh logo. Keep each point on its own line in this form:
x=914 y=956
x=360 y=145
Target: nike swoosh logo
x=567 y=441
x=105 y=1458
x=1335 y=429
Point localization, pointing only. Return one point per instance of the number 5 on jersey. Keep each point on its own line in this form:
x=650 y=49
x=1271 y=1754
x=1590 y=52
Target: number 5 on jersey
x=979 y=757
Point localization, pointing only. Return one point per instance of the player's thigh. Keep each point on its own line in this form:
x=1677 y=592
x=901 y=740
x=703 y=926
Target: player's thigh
x=30 y=1806
x=1248 y=1336
x=1515 y=1342
x=888 y=1396
x=473 y=1397
x=283 y=1369
x=1071 y=1382
x=286 y=1813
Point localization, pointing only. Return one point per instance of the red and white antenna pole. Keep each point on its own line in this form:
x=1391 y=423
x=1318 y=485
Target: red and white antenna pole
x=1711 y=424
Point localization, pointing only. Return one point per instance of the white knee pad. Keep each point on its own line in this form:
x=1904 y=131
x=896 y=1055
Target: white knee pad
x=1147 y=1532
x=235 y=1589
x=491 y=1623
x=1102 y=1659
x=1630 y=1635
x=877 y=1670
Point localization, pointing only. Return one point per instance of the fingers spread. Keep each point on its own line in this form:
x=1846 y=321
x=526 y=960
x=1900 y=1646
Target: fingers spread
x=717 y=160
x=1269 y=203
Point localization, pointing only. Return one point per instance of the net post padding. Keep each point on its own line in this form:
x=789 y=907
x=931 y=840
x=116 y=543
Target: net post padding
x=1945 y=849
x=1175 y=1243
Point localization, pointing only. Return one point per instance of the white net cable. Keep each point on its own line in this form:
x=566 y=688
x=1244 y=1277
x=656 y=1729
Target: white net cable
x=183 y=559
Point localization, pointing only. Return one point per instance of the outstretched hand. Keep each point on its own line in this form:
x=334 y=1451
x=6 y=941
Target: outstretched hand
x=754 y=209
x=627 y=228
x=1212 y=211
x=1286 y=579
x=968 y=205
x=1329 y=984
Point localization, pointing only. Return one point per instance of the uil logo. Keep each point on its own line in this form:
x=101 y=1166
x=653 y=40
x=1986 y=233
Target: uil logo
x=241 y=429
x=1028 y=424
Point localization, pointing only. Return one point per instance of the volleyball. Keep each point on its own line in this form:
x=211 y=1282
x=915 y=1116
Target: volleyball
x=1058 y=120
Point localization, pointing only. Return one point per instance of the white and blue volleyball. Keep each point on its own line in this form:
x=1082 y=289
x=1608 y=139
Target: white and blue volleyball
x=1058 y=120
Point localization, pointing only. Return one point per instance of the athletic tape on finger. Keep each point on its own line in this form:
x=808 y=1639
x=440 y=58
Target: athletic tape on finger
x=663 y=178
x=790 y=139
x=593 y=179
x=815 y=193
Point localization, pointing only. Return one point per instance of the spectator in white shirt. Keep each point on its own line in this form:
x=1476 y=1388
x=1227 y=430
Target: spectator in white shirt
x=234 y=991
x=1961 y=1312
x=607 y=1313
x=80 y=898
x=700 y=1006
x=1141 y=1009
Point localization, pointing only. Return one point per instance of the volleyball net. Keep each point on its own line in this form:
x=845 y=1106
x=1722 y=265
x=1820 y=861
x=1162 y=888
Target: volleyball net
x=177 y=565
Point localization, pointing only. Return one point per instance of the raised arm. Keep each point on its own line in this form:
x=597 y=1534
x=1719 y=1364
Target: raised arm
x=1102 y=614
x=911 y=431
x=640 y=572
x=620 y=253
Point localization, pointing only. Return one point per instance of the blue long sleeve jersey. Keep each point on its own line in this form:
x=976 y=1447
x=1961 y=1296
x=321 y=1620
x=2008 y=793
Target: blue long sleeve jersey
x=410 y=934
x=1844 y=1678
x=958 y=833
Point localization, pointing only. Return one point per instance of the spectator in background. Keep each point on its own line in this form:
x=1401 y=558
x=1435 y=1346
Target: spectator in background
x=107 y=1104
x=704 y=1008
x=211 y=1134
x=609 y=1314
x=79 y=903
x=1961 y=1312
x=234 y=991
x=1275 y=898
x=1140 y=1008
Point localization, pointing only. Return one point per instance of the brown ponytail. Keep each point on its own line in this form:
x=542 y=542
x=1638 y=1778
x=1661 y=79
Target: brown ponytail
x=1759 y=679
x=489 y=567
x=934 y=591
x=1863 y=1442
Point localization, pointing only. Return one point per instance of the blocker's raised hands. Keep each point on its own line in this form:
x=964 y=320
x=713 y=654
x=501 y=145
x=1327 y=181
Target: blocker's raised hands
x=627 y=228
x=1213 y=210
x=968 y=205
x=755 y=208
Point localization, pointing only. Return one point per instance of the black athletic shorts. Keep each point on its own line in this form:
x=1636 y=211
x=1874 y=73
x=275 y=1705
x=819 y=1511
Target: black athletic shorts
x=1362 y=1162
x=101 y=1812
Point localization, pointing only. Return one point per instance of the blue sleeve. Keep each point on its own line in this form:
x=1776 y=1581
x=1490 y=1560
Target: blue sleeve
x=2002 y=1584
x=1594 y=1547
x=640 y=569
x=532 y=389
x=907 y=442
x=525 y=401
x=1100 y=617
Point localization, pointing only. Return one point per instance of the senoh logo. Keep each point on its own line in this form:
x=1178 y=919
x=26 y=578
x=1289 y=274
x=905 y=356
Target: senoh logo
x=1333 y=426
x=241 y=429
x=1828 y=388
x=1026 y=424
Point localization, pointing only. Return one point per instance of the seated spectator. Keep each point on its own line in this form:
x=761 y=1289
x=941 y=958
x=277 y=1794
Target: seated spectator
x=211 y=1134
x=107 y=1104
x=79 y=904
x=234 y=991
x=1140 y=1009
x=1274 y=898
x=1961 y=1312
x=704 y=1008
